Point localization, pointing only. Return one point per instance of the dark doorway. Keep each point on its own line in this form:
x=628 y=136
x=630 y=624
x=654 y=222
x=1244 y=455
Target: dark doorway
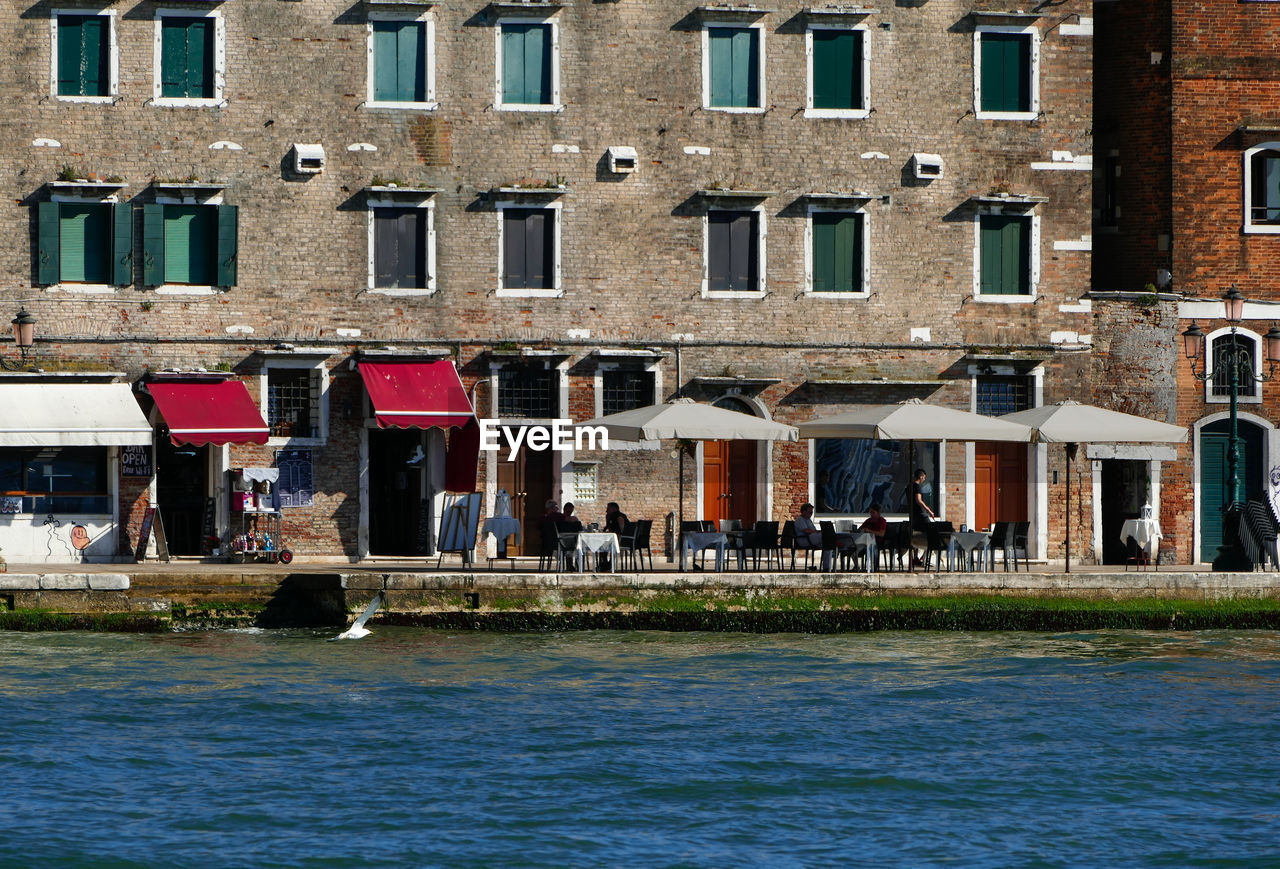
x=396 y=495
x=528 y=482
x=1124 y=491
x=1213 y=477
x=182 y=488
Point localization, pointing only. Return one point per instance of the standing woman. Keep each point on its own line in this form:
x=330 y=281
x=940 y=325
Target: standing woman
x=921 y=515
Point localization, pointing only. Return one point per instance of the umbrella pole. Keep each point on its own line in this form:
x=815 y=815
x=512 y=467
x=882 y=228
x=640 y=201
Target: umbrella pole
x=1068 y=448
x=681 y=523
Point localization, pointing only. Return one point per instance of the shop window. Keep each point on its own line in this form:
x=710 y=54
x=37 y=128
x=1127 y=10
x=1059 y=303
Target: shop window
x=529 y=248
x=402 y=248
x=84 y=53
x=527 y=392
x=84 y=243
x=401 y=63
x=1005 y=244
x=56 y=480
x=1262 y=188
x=838 y=73
x=851 y=474
x=837 y=252
x=734 y=251
x=998 y=395
x=190 y=244
x=1006 y=73
x=626 y=389
x=734 y=68
x=528 y=71
x=189 y=58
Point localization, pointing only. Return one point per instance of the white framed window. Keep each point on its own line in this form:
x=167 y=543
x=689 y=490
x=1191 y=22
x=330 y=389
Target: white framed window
x=839 y=62
x=1262 y=188
x=1006 y=255
x=527 y=59
x=529 y=249
x=733 y=245
x=733 y=67
x=837 y=253
x=1217 y=388
x=1006 y=73
x=401 y=67
x=294 y=400
x=621 y=386
x=84 y=62
x=402 y=246
x=190 y=58
x=84 y=239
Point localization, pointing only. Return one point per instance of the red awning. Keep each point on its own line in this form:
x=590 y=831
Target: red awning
x=209 y=412
x=416 y=394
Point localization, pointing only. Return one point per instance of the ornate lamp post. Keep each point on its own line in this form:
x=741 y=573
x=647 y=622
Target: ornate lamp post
x=1236 y=362
x=24 y=335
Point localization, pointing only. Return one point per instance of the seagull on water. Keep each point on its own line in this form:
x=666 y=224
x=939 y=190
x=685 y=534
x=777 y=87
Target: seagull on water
x=358 y=630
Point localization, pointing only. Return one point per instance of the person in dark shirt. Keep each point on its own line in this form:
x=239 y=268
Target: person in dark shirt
x=921 y=515
x=569 y=519
x=616 y=522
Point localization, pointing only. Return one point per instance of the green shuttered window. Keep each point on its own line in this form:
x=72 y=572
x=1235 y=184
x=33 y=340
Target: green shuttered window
x=190 y=244
x=187 y=57
x=84 y=243
x=837 y=253
x=400 y=61
x=837 y=69
x=84 y=52
x=526 y=64
x=1006 y=72
x=734 y=58
x=1005 y=245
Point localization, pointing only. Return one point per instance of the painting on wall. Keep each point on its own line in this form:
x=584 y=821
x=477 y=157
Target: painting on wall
x=850 y=474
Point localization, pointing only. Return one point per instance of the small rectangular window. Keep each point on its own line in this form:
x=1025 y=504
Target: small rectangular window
x=1265 y=195
x=1006 y=72
x=84 y=55
x=733 y=67
x=528 y=248
x=1005 y=252
x=56 y=479
x=998 y=395
x=187 y=59
x=400 y=248
x=837 y=252
x=527 y=392
x=400 y=61
x=733 y=251
x=837 y=69
x=1225 y=352
x=527 y=77
x=292 y=403
x=626 y=389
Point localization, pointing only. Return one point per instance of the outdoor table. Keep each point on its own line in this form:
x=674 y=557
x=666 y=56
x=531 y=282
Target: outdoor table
x=867 y=541
x=1145 y=533
x=502 y=527
x=695 y=541
x=976 y=546
x=597 y=542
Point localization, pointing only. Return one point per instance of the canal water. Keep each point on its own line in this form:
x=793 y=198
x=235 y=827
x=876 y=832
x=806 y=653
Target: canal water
x=425 y=748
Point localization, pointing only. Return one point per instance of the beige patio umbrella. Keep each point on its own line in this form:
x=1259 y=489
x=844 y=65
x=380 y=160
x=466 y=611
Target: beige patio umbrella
x=915 y=420
x=1072 y=423
x=689 y=420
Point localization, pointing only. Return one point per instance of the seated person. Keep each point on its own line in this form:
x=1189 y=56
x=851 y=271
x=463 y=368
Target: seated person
x=807 y=533
x=875 y=524
x=552 y=512
x=574 y=523
x=615 y=521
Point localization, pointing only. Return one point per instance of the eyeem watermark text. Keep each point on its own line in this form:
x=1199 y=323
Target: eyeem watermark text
x=560 y=435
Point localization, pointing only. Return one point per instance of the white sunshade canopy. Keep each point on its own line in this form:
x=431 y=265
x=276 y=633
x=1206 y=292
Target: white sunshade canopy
x=914 y=420
x=71 y=415
x=1075 y=423
x=691 y=420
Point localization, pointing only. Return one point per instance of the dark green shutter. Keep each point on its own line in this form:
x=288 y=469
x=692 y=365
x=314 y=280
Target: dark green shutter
x=191 y=244
x=152 y=244
x=837 y=253
x=1005 y=255
x=735 y=67
x=526 y=64
x=385 y=64
x=83 y=54
x=186 y=57
x=122 y=245
x=48 y=266
x=200 y=50
x=173 y=57
x=70 y=41
x=512 y=64
x=399 y=69
x=84 y=231
x=837 y=69
x=1006 y=72
x=228 y=244
x=720 y=48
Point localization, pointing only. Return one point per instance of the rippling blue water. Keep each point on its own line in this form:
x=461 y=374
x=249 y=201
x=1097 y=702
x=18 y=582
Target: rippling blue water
x=419 y=748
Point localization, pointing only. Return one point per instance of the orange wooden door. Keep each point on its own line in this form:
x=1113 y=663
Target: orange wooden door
x=729 y=481
x=1000 y=483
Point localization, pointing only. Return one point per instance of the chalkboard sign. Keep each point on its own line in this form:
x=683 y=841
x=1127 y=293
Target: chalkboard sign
x=207 y=526
x=144 y=534
x=422 y=545
x=135 y=461
x=296 y=486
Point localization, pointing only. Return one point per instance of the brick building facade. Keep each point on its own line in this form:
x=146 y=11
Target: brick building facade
x=585 y=206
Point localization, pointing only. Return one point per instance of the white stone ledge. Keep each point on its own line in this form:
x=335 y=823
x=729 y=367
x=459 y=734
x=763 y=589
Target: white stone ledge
x=19 y=581
x=108 y=582
x=64 y=581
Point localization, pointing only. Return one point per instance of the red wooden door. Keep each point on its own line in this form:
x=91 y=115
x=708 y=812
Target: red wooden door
x=1000 y=483
x=729 y=481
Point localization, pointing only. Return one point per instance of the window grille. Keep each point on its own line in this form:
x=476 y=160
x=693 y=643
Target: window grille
x=290 y=403
x=626 y=390
x=1000 y=395
x=526 y=393
x=1245 y=384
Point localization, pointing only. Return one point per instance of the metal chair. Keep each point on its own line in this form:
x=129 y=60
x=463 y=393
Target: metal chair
x=938 y=535
x=763 y=538
x=634 y=543
x=793 y=541
x=999 y=542
x=897 y=543
x=1018 y=541
x=567 y=540
x=549 y=550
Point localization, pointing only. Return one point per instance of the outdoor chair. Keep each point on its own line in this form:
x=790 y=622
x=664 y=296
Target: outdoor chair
x=549 y=549
x=1136 y=555
x=634 y=543
x=897 y=543
x=1016 y=542
x=763 y=538
x=1258 y=532
x=938 y=537
x=832 y=556
x=792 y=541
x=732 y=530
x=567 y=538
x=694 y=526
x=1000 y=532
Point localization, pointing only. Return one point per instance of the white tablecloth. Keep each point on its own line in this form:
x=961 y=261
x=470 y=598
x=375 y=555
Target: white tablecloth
x=867 y=540
x=976 y=546
x=597 y=542
x=1145 y=532
x=502 y=527
x=695 y=541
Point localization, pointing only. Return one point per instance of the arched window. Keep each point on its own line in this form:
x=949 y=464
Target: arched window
x=1262 y=188
x=1222 y=344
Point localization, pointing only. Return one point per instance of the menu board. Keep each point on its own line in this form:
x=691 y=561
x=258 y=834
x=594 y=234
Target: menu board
x=296 y=486
x=135 y=461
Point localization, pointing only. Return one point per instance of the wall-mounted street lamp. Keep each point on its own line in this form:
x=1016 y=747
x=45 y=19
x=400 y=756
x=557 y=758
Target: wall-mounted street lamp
x=24 y=336
x=1236 y=361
